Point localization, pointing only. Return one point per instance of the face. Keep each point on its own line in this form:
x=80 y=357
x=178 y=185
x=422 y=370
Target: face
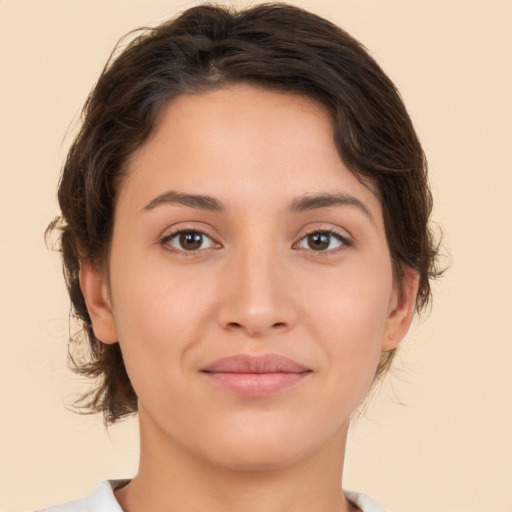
x=250 y=282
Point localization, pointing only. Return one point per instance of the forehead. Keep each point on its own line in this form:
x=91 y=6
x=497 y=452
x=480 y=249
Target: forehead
x=239 y=142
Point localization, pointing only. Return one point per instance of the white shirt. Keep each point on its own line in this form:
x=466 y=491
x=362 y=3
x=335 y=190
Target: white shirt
x=102 y=499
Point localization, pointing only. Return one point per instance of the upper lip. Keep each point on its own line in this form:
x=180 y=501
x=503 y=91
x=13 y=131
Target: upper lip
x=267 y=363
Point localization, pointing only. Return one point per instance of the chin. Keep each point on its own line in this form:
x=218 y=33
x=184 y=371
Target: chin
x=253 y=459
x=261 y=449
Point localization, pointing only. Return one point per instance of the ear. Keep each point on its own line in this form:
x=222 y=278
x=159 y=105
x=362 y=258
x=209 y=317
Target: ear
x=402 y=308
x=95 y=291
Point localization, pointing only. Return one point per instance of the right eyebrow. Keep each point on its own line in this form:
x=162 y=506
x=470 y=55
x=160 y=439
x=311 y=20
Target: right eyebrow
x=191 y=200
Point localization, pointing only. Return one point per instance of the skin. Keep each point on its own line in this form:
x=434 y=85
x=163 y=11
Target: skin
x=254 y=286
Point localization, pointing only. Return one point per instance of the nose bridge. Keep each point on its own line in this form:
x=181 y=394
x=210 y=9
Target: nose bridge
x=257 y=299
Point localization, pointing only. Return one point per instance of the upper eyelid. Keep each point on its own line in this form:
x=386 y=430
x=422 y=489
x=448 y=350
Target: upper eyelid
x=324 y=230
x=173 y=234
x=340 y=232
x=180 y=227
x=344 y=239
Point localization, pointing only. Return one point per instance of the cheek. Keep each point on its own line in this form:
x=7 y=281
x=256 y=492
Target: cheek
x=352 y=350
x=151 y=296
x=351 y=304
x=158 y=316
x=162 y=313
x=348 y=317
x=157 y=329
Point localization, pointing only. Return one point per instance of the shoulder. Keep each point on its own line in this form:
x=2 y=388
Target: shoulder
x=70 y=506
x=102 y=499
x=363 y=502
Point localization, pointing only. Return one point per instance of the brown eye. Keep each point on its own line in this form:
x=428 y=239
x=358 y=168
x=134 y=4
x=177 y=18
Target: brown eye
x=189 y=241
x=321 y=241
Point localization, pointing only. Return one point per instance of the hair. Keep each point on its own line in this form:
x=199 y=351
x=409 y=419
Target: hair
x=275 y=46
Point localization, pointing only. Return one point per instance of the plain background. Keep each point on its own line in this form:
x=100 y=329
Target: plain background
x=438 y=436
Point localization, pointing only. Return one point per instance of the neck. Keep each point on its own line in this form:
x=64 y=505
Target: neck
x=171 y=478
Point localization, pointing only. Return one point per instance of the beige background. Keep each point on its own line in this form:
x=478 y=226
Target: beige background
x=449 y=448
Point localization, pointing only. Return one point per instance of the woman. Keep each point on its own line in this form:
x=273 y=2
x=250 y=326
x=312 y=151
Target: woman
x=245 y=239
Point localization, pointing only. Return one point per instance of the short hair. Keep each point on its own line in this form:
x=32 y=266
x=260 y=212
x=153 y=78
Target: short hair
x=275 y=46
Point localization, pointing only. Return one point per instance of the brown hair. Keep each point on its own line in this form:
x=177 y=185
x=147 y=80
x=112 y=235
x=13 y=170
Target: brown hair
x=276 y=46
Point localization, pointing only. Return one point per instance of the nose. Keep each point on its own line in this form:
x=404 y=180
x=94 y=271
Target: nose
x=257 y=298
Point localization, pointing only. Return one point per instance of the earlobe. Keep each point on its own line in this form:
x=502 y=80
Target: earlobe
x=95 y=291
x=400 y=316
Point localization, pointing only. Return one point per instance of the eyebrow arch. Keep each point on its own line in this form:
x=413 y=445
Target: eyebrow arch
x=192 y=200
x=312 y=202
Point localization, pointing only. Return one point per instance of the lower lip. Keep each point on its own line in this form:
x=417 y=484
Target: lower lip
x=256 y=384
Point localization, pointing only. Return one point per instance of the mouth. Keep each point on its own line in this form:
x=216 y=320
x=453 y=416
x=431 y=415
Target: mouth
x=256 y=376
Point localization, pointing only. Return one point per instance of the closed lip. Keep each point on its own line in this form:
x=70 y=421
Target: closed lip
x=266 y=363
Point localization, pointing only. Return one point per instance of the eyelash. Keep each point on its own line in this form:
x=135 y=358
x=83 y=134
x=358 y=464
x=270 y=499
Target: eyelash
x=165 y=241
x=344 y=241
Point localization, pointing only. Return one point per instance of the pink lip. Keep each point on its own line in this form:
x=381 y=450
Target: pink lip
x=256 y=375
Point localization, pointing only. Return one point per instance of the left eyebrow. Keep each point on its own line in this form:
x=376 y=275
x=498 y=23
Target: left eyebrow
x=312 y=202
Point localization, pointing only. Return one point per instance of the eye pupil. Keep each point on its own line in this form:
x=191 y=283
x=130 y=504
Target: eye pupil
x=319 y=241
x=191 y=240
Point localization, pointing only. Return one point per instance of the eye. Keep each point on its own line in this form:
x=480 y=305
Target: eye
x=188 y=240
x=322 y=241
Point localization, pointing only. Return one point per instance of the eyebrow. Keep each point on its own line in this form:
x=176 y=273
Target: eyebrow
x=301 y=204
x=312 y=202
x=192 y=200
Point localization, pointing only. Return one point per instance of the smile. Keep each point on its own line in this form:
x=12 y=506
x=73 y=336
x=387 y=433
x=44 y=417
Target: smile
x=256 y=376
